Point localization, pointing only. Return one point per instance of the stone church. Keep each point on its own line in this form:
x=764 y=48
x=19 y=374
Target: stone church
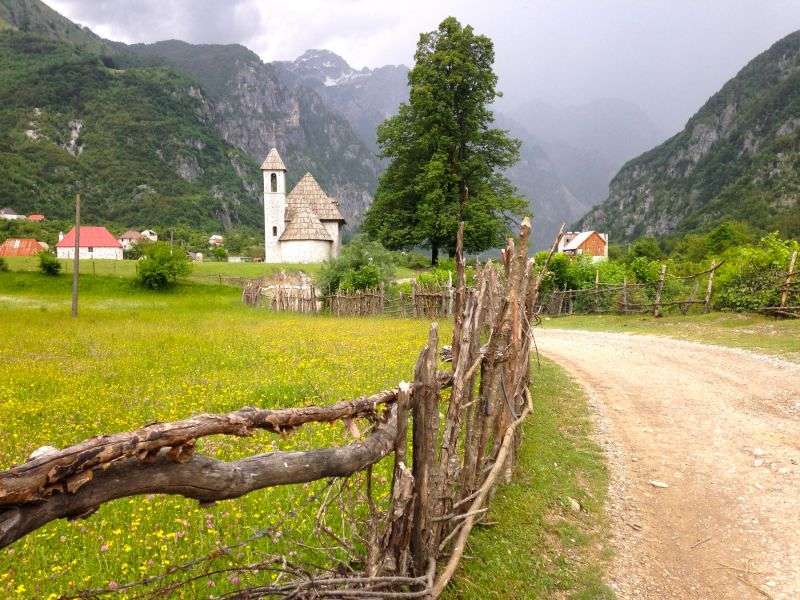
x=303 y=227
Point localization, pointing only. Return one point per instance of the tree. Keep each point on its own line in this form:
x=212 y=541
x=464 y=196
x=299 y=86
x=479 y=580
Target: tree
x=362 y=264
x=446 y=159
x=48 y=264
x=161 y=266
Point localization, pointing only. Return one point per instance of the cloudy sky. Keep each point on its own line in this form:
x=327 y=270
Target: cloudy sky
x=668 y=56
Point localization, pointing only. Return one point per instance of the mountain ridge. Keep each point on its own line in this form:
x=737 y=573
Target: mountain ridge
x=737 y=158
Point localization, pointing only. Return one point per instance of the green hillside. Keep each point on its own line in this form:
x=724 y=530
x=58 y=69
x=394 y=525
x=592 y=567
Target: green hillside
x=33 y=16
x=138 y=142
x=737 y=158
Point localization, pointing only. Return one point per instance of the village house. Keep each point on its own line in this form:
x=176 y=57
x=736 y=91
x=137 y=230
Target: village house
x=36 y=218
x=304 y=226
x=130 y=238
x=216 y=240
x=21 y=247
x=10 y=215
x=95 y=242
x=588 y=243
x=133 y=237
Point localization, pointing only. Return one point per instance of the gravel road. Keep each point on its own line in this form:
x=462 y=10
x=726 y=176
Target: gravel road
x=703 y=445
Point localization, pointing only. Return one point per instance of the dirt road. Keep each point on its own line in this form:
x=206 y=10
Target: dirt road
x=703 y=444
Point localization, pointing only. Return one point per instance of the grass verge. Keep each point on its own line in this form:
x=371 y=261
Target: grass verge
x=205 y=272
x=539 y=546
x=779 y=337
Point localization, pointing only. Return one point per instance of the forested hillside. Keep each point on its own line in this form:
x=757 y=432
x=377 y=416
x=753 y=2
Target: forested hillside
x=255 y=109
x=737 y=158
x=139 y=143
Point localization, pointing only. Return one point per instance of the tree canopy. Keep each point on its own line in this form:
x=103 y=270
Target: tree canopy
x=446 y=159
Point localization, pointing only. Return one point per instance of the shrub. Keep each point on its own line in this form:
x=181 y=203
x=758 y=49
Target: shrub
x=3 y=265
x=48 y=264
x=413 y=260
x=750 y=277
x=160 y=268
x=361 y=264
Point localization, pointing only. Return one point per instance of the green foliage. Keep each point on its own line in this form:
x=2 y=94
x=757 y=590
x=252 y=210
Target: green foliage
x=140 y=128
x=361 y=264
x=48 y=264
x=161 y=266
x=3 y=265
x=218 y=253
x=446 y=159
x=750 y=277
x=646 y=247
x=412 y=260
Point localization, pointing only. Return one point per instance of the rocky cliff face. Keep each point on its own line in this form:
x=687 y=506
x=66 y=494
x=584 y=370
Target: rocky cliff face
x=365 y=98
x=255 y=108
x=736 y=158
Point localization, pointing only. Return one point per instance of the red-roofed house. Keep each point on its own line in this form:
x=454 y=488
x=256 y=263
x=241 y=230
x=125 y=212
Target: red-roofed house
x=21 y=247
x=95 y=242
x=36 y=217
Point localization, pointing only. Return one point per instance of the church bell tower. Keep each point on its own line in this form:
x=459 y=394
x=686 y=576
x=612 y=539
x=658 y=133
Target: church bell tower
x=274 y=205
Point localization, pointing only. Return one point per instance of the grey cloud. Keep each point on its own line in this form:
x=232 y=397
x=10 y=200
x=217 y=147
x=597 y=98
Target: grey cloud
x=667 y=56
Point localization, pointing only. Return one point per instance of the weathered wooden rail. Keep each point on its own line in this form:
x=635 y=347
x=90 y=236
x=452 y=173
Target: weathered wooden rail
x=415 y=542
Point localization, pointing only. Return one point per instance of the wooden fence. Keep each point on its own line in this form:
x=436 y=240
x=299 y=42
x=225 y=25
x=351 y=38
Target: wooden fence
x=668 y=292
x=439 y=490
x=789 y=305
x=423 y=301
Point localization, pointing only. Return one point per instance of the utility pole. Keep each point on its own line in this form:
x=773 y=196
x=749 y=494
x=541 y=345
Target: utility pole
x=171 y=239
x=76 y=264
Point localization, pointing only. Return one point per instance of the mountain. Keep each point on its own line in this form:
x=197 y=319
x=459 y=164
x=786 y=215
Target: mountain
x=365 y=98
x=588 y=142
x=737 y=158
x=139 y=142
x=32 y=16
x=255 y=108
x=202 y=117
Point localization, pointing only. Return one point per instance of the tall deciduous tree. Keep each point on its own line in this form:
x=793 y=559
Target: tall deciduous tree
x=446 y=159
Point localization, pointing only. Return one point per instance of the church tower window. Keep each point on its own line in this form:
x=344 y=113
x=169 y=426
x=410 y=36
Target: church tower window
x=273 y=182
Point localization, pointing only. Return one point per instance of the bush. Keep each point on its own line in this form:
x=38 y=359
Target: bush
x=362 y=264
x=413 y=260
x=3 y=265
x=48 y=264
x=750 y=277
x=160 y=268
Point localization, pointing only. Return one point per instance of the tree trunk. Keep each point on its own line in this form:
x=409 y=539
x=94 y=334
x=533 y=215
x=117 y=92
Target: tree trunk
x=434 y=253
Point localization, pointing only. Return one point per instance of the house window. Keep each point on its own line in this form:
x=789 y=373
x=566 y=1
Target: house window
x=91 y=249
x=274 y=182
x=275 y=231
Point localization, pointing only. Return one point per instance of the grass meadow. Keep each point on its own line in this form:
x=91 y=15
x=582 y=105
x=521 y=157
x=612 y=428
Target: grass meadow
x=135 y=356
x=205 y=272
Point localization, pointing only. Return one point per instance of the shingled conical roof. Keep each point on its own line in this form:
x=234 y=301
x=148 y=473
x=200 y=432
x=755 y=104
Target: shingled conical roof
x=308 y=193
x=273 y=162
x=305 y=225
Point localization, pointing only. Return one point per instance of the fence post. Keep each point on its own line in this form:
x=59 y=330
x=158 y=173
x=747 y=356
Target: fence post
x=710 y=286
x=659 y=289
x=789 y=275
x=624 y=307
x=425 y=427
x=597 y=290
